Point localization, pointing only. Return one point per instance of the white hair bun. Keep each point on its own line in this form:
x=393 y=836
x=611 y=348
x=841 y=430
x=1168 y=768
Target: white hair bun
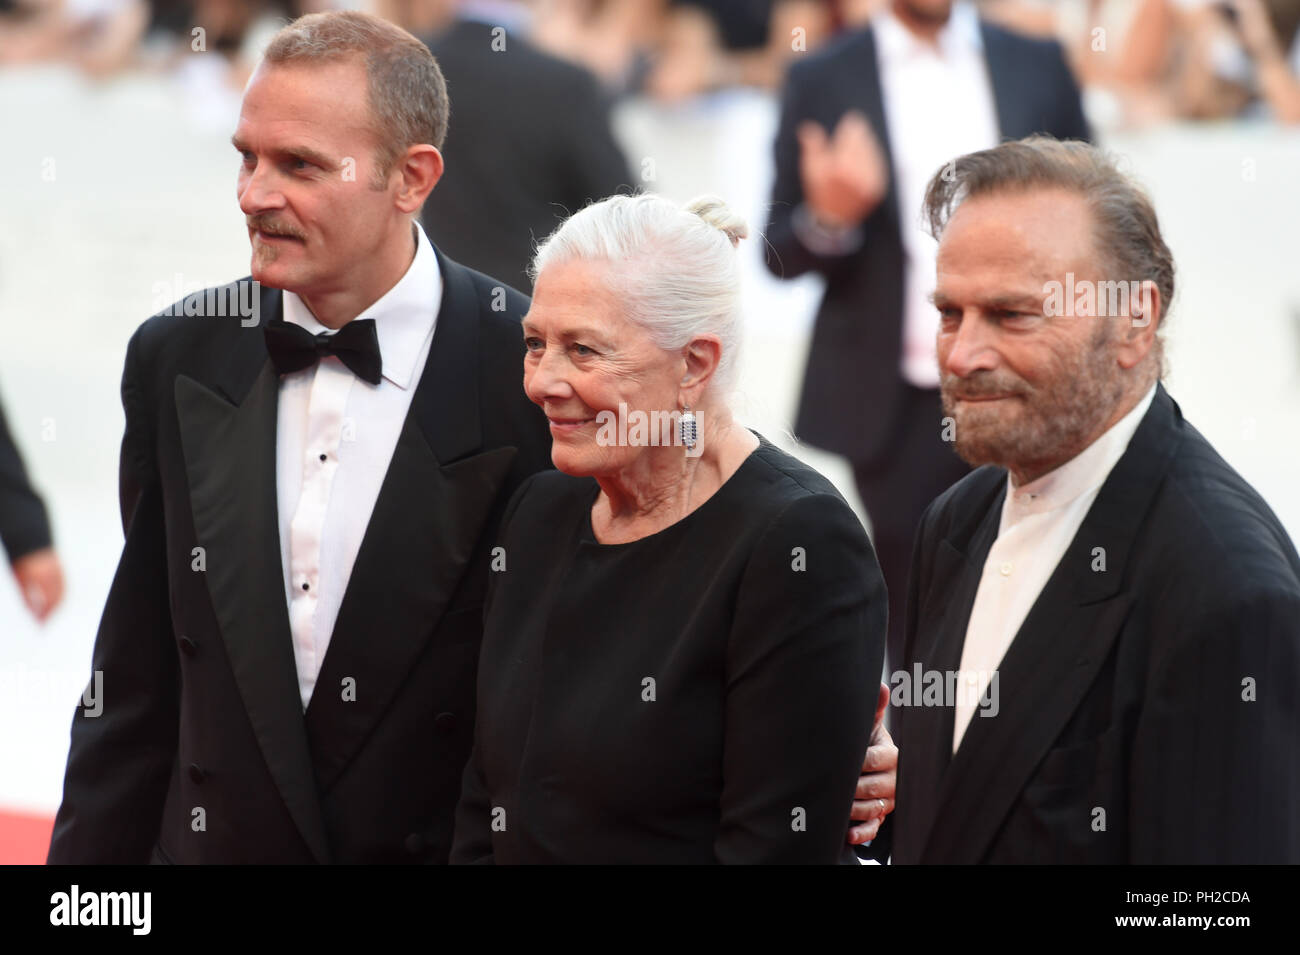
x=718 y=214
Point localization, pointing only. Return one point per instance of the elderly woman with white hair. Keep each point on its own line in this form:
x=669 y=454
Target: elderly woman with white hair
x=685 y=628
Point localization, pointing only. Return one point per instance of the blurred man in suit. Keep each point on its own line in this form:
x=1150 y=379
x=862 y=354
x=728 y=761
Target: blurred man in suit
x=1105 y=615
x=289 y=648
x=864 y=124
x=530 y=144
x=25 y=532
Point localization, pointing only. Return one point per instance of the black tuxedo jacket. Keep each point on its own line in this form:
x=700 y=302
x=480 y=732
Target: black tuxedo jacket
x=202 y=752
x=1155 y=697
x=852 y=389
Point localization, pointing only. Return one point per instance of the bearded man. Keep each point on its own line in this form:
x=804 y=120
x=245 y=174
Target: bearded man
x=1107 y=613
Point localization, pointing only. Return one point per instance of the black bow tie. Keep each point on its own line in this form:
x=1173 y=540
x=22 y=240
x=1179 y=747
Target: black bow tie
x=356 y=344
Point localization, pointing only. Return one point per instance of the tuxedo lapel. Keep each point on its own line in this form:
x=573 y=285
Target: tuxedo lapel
x=1041 y=680
x=228 y=438
x=1056 y=655
x=928 y=747
x=435 y=499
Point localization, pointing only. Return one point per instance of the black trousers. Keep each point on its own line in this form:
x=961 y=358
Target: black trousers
x=896 y=488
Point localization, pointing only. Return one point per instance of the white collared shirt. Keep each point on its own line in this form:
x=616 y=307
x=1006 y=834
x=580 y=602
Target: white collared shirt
x=334 y=440
x=1039 y=520
x=938 y=105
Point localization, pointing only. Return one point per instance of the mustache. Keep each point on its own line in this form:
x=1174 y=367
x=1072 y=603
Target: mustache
x=980 y=385
x=271 y=227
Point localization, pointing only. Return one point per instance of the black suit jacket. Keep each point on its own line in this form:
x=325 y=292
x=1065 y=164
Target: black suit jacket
x=853 y=361
x=202 y=719
x=24 y=525
x=1160 y=691
x=529 y=143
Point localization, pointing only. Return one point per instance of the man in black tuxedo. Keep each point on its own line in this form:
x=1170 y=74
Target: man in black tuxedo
x=865 y=122
x=25 y=532
x=531 y=144
x=310 y=485
x=1106 y=614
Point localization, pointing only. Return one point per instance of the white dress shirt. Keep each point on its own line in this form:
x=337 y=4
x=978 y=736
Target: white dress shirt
x=1039 y=520
x=334 y=440
x=938 y=105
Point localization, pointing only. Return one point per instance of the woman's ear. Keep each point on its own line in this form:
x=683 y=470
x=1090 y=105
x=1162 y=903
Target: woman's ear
x=701 y=355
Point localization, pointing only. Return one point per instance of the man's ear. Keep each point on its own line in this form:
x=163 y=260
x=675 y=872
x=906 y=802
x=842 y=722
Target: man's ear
x=701 y=357
x=420 y=169
x=1137 y=336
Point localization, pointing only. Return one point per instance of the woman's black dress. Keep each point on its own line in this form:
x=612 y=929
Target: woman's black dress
x=704 y=694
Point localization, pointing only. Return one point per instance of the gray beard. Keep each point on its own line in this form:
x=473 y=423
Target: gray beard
x=1054 y=425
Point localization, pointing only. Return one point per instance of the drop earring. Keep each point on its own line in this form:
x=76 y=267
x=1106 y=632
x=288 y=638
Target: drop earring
x=687 y=428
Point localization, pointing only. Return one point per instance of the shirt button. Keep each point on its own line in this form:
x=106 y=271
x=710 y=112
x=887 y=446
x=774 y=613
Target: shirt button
x=1006 y=568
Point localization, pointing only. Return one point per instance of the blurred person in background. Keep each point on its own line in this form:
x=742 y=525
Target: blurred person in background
x=25 y=532
x=674 y=50
x=530 y=142
x=707 y=45
x=611 y=38
x=1096 y=40
x=105 y=37
x=1234 y=59
x=210 y=48
x=99 y=37
x=1157 y=60
x=864 y=124
x=230 y=29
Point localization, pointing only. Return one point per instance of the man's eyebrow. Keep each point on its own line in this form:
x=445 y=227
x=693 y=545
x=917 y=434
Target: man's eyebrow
x=306 y=152
x=1015 y=300
x=1009 y=301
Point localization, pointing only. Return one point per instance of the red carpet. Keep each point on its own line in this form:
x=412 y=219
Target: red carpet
x=24 y=839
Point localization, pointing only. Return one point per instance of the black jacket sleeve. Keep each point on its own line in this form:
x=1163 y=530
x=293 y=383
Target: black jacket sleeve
x=803 y=671
x=121 y=757
x=1216 y=749
x=472 y=841
x=24 y=525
